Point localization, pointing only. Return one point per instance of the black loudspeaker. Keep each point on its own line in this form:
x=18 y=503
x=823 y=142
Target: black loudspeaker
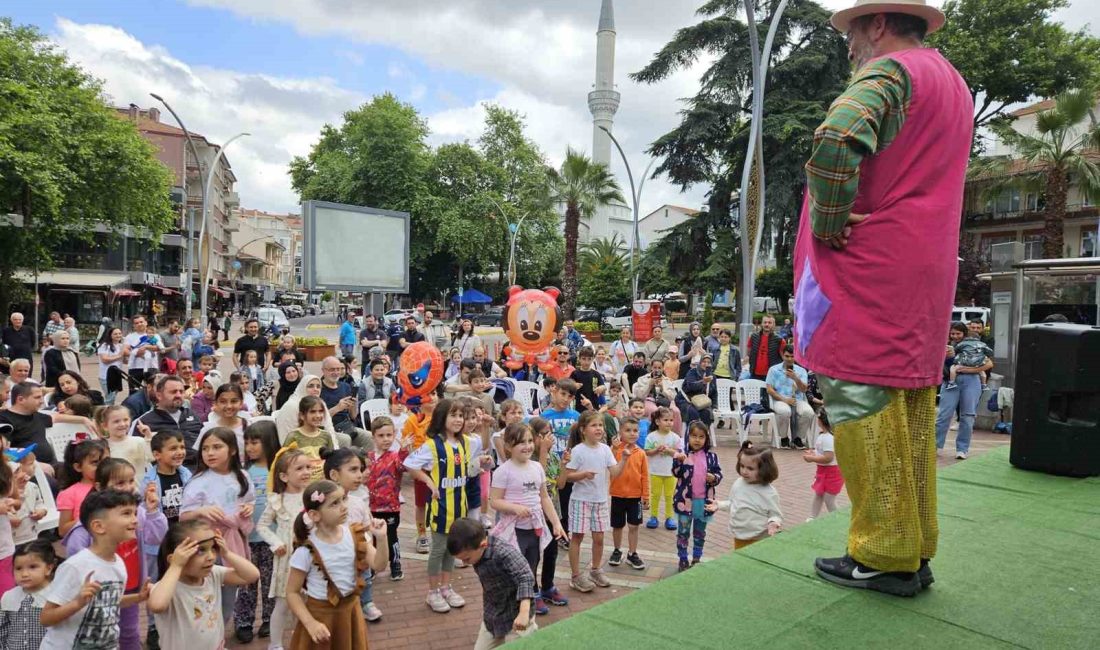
x=1056 y=411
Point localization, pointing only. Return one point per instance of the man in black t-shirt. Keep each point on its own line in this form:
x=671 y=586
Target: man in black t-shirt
x=19 y=339
x=29 y=424
x=411 y=334
x=590 y=381
x=632 y=372
x=252 y=340
x=370 y=337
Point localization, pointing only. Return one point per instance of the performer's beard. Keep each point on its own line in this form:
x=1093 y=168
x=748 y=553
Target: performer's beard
x=859 y=55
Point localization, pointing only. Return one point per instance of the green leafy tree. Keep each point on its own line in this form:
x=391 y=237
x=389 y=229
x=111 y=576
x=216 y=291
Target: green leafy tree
x=523 y=192
x=776 y=283
x=1012 y=50
x=67 y=162
x=1065 y=145
x=808 y=69
x=584 y=187
x=604 y=274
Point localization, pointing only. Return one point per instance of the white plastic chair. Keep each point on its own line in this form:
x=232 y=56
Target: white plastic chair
x=53 y=517
x=371 y=409
x=527 y=394
x=726 y=408
x=750 y=391
x=61 y=434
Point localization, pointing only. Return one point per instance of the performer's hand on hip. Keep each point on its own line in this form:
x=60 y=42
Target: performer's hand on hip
x=840 y=240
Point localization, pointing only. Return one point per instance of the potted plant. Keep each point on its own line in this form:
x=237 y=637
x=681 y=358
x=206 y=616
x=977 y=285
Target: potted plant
x=590 y=330
x=314 y=348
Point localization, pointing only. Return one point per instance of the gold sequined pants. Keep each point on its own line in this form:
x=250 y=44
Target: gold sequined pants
x=888 y=459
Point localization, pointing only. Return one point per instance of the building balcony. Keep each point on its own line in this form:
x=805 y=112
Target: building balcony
x=1017 y=217
x=233 y=222
x=232 y=200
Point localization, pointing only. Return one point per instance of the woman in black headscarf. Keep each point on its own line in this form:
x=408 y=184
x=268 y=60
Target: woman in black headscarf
x=289 y=376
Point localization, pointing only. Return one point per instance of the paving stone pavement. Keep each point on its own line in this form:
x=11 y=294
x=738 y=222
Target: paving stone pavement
x=407 y=622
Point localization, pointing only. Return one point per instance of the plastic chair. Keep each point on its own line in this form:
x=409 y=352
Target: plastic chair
x=61 y=434
x=750 y=391
x=53 y=517
x=726 y=409
x=371 y=409
x=527 y=394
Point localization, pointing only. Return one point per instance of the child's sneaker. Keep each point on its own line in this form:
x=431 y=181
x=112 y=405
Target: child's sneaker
x=635 y=562
x=652 y=523
x=396 y=573
x=950 y=385
x=616 y=558
x=683 y=565
x=581 y=583
x=437 y=602
x=459 y=564
x=541 y=608
x=696 y=560
x=798 y=444
x=423 y=545
x=554 y=597
x=371 y=613
x=670 y=524
x=563 y=543
x=598 y=578
x=452 y=598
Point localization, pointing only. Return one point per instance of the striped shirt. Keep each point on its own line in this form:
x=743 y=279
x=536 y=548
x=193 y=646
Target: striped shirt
x=864 y=120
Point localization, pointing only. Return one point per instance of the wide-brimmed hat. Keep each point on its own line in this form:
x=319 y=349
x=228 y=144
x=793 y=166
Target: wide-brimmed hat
x=842 y=19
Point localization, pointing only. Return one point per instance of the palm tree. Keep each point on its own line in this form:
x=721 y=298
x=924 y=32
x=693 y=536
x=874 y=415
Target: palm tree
x=584 y=187
x=1063 y=147
x=602 y=252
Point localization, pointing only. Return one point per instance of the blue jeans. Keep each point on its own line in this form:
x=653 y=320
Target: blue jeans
x=964 y=398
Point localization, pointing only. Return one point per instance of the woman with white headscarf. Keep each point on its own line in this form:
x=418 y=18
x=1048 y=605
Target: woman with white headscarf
x=286 y=418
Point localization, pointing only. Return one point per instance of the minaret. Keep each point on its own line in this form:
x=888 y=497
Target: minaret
x=603 y=101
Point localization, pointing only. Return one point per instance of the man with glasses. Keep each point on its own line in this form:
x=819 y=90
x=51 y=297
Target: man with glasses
x=340 y=400
x=884 y=198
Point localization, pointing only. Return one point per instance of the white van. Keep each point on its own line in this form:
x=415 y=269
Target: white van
x=965 y=314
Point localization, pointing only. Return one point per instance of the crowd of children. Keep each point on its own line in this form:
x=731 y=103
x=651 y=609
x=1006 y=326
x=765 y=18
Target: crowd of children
x=284 y=526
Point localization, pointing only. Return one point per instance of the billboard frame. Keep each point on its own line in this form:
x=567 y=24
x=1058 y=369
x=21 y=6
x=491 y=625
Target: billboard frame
x=309 y=247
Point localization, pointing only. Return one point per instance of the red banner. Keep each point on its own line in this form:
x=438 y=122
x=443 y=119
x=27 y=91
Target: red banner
x=646 y=316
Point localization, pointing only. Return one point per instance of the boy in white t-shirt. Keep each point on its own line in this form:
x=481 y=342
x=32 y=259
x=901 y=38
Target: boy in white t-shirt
x=83 y=604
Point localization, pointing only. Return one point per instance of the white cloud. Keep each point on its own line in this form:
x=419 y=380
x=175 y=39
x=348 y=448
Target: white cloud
x=283 y=115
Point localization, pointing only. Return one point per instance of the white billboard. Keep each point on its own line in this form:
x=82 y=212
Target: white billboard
x=354 y=248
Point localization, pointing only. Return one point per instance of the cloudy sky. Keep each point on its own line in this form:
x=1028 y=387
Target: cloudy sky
x=280 y=69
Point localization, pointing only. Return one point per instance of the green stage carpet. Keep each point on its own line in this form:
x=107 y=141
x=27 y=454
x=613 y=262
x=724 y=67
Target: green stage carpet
x=1018 y=567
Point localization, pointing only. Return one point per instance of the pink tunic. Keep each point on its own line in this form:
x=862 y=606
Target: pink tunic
x=877 y=312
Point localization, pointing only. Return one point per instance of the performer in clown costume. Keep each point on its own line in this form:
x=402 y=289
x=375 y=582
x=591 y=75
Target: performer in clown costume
x=875 y=272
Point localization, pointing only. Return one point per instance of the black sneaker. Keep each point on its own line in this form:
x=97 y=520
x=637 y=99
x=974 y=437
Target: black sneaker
x=847 y=572
x=696 y=560
x=798 y=444
x=396 y=573
x=683 y=565
x=635 y=562
x=152 y=640
x=925 y=574
x=784 y=443
x=616 y=558
x=563 y=543
x=244 y=635
x=265 y=631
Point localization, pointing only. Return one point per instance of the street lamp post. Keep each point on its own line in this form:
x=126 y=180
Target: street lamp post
x=514 y=227
x=752 y=232
x=636 y=197
x=202 y=230
x=191 y=257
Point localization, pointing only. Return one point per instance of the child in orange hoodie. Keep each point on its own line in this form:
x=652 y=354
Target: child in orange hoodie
x=413 y=435
x=629 y=496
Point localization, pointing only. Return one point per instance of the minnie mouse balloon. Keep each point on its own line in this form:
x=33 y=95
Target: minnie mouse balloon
x=530 y=319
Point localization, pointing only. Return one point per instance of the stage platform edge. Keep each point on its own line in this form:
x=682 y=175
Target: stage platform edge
x=1018 y=567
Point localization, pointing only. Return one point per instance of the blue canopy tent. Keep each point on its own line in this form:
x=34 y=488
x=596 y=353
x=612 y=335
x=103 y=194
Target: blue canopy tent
x=472 y=297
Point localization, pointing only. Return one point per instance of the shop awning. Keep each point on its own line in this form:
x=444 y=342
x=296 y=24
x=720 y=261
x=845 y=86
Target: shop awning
x=165 y=290
x=103 y=279
x=125 y=293
x=221 y=292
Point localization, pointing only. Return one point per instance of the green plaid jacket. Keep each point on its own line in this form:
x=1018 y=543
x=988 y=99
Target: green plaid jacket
x=862 y=121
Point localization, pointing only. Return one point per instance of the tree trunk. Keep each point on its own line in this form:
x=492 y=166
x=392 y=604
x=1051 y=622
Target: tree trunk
x=1055 y=213
x=569 y=273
